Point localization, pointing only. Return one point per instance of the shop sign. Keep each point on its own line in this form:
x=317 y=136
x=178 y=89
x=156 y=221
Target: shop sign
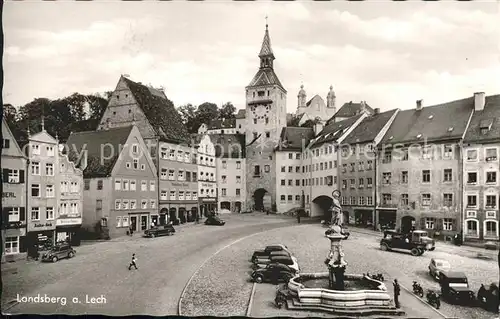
x=69 y=221
x=208 y=199
x=180 y=184
x=206 y=184
x=38 y=226
x=8 y=195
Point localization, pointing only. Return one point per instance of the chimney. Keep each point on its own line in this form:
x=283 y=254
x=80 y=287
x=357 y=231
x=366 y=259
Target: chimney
x=318 y=127
x=376 y=111
x=419 y=105
x=479 y=101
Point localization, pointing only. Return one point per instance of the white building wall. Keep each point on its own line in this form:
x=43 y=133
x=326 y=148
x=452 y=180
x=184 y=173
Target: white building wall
x=288 y=195
x=231 y=182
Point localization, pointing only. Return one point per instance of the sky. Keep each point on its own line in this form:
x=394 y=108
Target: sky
x=385 y=53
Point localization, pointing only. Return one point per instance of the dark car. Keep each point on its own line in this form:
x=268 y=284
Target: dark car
x=163 y=230
x=289 y=261
x=416 y=241
x=265 y=253
x=214 y=220
x=273 y=273
x=59 y=251
x=455 y=287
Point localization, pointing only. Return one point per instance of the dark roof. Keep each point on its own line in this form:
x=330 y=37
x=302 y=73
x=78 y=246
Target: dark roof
x=160 y=112
x=225 y=144
x=265 y=77
x=368 y=129
x=98 y=165
x=266 y=49
x=446 y=121
x=241 y=114
x=334 y=130
x=295 y=138
x=226 y=123
x=351 y=109
x=488 y=117
x=310 y=101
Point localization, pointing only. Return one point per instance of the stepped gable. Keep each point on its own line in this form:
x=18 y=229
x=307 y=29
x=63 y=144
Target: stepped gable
x=489 y=118
x=295 y=138
x=160 y=112
x=369 y=128
x=98 y=165
x=226 y=143
x=351 y=109
x=446 y=121
x=333 y=131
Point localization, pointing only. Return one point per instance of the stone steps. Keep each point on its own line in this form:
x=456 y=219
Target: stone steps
x=294 y=304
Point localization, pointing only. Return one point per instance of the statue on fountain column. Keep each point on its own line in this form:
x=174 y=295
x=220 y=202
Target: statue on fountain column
x=335 y=259
x=337 y=221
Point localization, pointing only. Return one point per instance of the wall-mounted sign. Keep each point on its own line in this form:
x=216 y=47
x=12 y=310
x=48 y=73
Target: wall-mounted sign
x=8 y=195
x=180 y=184
x=207 y=184
x=68 y=221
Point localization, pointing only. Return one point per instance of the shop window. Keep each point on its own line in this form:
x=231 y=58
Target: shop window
x=11 y=245
x=472 y=228
x=429 y=223
x=447 y=224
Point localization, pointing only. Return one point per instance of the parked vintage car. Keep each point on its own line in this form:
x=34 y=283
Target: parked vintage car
x=489 y=299
x=265 y=253
x=163 y=230
x=455 y=287
x=289 y=261
x=279 y=253
x=272 y=273
x=416 y=241
x=214 y=221
x=436 y=266
x=59 y=251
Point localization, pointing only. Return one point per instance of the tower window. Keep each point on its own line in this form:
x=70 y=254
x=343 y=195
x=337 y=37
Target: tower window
x=267 y=92
x=261 y=93
x=267 y=120
x=268 y=135
x=253 y=94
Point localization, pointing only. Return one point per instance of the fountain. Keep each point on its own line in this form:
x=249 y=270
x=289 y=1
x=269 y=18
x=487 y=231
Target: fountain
x=335 y=291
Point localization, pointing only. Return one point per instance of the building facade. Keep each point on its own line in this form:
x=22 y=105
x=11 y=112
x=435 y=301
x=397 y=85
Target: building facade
x=265 y=118
x=14 y=197
x=315 y=108
x=207 y=173
x=43 y=192
x=481 y=169
x=120 y=180
x=230 y=168
x=70 y=206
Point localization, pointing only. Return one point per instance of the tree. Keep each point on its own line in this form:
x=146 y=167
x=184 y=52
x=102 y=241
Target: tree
x=295 y=121
x=188 y=116
x=227 y=111
x=10 y=113
x=207 y=112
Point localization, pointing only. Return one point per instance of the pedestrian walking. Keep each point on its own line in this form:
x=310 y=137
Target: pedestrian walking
x=133 y=262
x=397 y=290
x=298 y=216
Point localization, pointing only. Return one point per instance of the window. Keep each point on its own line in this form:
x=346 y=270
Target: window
x=172 y=195
x=238 y=165
x=256 y=171
x=386 y=199
x=224 y=192
x=133 y=204
x=125 y=184
x=35 y=190
x=447 y=200
x=35 y=168
x=283 y=198
x=180 y=176
x=490 y=228
x=6 y=143
x=180 y=156
x=171 y=155
x=491 y=214
x=267 y=168
x=369 y=200
x=290 y=182
x=472 y=155
x=119 y=221
x=386 y=178
x=136 y=163
x=152 y=186
x=404 y=200
x=49 y=213
x=297 y=169
x=426 y=176
x=163 y=195
x=238 y=192
x=491 y=154
x=181 y=195
x=429 y=223
x=427 y=152
x=188 y=176
x=361 y=200
x=471 y=177
x=238 y=179
x=361 y=166
x=171 y=175
x=74 y=187
x=194 y=177
x=163 y=152
x=163 y=173
x=353 y=200
x=447 y=224
x=344 y=200
x=64 y=187
x=133 y=186
x=491 y=177
x=297 y=182
x=144 y=186
x=369 y=182
x=35 y=149
x=127 y=165
x=188 y=195
x=14 y=214
x=118 y=204
x=99 y=185
x=224 y=164
x=268 y=135
x=353 y=182
x=49 y=191
x=290 y=198
x=195 y=195
x=448 y=151
x=118 y=184
x=11 y=245
x=387 y=157
x=370 y=165
x=426 y=199
x=448 y=177
x=404 y=177
x=290 y=169
x=472 y=229
x=35 y=213
x=491 y=201
x=224 y=179
x=361 y=183
x=14 y=176
x=471 y=200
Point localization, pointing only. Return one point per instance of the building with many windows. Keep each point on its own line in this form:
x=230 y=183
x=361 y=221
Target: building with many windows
x=120 y=180
x=207 y=173
x=419 y=175
x=230 y=167
x=13 y=197
x=481 y=169
x=358 y=163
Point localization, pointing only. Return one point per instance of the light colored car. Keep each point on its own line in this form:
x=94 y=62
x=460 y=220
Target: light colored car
x=437 y=266
x=291 y=262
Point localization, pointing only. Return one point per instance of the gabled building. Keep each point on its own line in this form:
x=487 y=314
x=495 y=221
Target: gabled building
x=207 y=173
x=120 y=180
x=351 y=109
x=230 y=168
x=315 y=108
x=358 y=162
x=220 y=126
x=290 y=167
x=14 y=197
x=481 y=170
x=419 y=173
x=321 y=161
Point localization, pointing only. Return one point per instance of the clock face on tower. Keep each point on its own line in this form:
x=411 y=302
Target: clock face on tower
x=260 y=111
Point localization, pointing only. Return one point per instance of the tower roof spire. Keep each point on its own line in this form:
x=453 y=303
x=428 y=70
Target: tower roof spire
x=266 y=44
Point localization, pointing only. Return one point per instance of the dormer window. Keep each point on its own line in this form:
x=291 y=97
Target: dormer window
x=450 y=129
x=390 y=138
x=419 y=135
x=430 y=117
x=261 y=93
x=485 y=126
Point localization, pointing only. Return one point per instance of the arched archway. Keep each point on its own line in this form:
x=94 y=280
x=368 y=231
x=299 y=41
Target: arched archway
x=260 y=199
x=321 y=207
x=163 y=216
x=172 y=214
x=407 y=223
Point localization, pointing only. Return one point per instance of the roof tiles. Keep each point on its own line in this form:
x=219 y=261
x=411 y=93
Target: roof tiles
x=369 y=128
x=488 y=118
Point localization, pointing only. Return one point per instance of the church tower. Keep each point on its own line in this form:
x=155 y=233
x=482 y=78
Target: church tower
x=265 y=118
x=301 y=100
x=330 y=99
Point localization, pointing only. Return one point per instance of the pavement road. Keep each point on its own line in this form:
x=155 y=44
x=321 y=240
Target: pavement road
x=101 y=270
